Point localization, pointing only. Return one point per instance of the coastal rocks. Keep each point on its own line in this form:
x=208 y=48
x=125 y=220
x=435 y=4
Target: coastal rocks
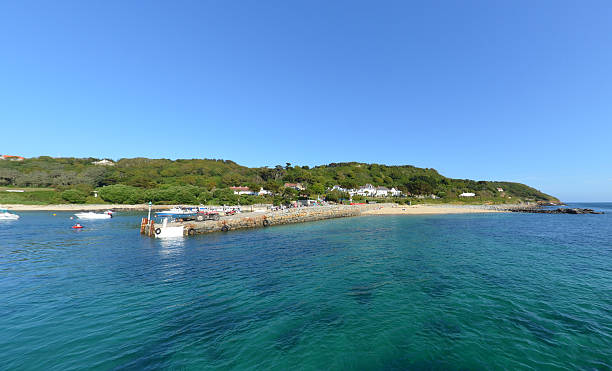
x=556 y=211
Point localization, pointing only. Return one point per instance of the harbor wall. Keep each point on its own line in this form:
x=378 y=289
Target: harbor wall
x=271 y=218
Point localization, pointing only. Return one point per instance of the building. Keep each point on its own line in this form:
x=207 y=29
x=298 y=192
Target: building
x=366 y=190
x=467 y=194
x=500 y=189
x=382 y=192
x=11 y=158
x=243 y=191
x=263 y=192
x=296 y=186
x=395 y=192
x=104 y=162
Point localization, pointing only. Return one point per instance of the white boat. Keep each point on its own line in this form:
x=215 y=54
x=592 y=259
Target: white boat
x=91 y=215
x=176 y=212
x=5 y=215
x=164 y=231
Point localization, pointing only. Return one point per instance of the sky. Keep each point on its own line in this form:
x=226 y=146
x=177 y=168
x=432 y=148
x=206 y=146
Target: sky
x=487 y=90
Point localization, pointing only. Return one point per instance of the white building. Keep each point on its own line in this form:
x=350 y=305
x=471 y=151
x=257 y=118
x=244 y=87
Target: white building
x=395 y=192
x=263 y=192
x=500 y=189
x=467 y=194
x=382 y=192
x=366 y=190
x=104 y=162
x=243 y=191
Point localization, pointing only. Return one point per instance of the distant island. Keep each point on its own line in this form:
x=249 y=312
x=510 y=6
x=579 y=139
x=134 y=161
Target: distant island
x=46 y=180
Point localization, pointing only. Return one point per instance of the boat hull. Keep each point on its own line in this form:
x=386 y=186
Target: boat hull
x=92 y=216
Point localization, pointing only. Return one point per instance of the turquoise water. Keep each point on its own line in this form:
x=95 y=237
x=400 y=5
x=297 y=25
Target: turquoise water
x=513 y=291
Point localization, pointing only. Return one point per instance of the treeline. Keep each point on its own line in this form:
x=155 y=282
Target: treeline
x=207 y=180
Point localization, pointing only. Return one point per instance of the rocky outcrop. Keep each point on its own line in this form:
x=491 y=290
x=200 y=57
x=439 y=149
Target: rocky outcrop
x=556 y=211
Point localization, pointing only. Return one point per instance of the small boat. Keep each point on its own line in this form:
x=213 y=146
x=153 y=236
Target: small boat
x=5 y=215
x=77 y=226
x=91 y=215
x=176 y=212
x=164 y=231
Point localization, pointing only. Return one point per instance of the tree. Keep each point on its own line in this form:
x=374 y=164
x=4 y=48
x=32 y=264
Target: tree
x=317 y=188
x=74 y=196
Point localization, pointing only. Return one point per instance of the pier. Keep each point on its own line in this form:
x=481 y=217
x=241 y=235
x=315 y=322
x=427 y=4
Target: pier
x=256 y=219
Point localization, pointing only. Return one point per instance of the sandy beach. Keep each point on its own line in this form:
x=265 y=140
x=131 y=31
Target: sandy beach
x=382 y=209
x=431 y=209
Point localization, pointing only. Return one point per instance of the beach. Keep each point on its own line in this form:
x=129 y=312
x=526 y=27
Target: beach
x=394 y=209
x=382 y=209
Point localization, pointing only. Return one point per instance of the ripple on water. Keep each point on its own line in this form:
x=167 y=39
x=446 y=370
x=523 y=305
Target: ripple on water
x=433 y=292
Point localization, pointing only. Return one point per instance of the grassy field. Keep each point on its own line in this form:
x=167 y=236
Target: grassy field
x=31 y=197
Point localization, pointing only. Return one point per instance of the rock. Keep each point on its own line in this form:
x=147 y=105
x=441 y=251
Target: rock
x=557 y=211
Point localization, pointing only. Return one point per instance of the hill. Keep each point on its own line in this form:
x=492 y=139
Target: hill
x=138 y=180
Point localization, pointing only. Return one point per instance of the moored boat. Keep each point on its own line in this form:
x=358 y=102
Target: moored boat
x=91 y=215
x=5 y=215
x=176 y=212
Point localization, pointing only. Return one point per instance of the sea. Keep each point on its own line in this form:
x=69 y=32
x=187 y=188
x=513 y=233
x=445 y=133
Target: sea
x=437 y=292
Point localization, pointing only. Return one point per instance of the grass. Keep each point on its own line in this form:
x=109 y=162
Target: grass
x=3 y=189
x=32 y=197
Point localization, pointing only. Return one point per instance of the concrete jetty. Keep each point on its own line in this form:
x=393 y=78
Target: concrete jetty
x=259 y=219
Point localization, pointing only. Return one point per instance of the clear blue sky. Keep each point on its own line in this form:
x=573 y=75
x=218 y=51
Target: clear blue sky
x=494 y=90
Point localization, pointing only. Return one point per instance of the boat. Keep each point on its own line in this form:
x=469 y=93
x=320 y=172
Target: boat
x=176 y=213
x=91 y=215
x=164 y=231
x=5 y=215
x=77 y=226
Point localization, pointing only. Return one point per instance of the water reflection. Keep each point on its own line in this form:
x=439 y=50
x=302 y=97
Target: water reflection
x=171 y=245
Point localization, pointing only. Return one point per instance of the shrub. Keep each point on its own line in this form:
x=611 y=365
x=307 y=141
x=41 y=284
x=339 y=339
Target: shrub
x=74 y=196
x=121 y=194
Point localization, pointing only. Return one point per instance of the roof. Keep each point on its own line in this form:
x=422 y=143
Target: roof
x=240 y=188
x=9 y=156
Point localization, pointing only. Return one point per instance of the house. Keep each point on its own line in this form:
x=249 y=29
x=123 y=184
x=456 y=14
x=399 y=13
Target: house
x=11 y=158
x=500 y=189
x=242 y=191
x=263 y=192
x=395 y=192
x=381 y=192
x=104 y=162
x=467 y=194
x=338 y=188
x=366 y=190
x=296 y=186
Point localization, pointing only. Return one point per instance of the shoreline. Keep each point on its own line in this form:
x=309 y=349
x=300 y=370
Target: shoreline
x=371 y=209
x=435 y=209
x=84 y=207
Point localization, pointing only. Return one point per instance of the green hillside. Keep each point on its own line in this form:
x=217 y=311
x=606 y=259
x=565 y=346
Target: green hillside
x=139 y=180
